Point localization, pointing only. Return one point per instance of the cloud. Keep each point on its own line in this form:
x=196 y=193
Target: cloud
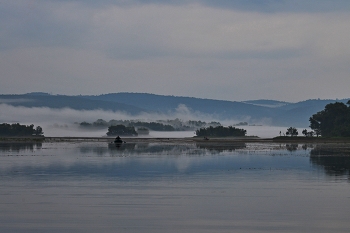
x=234 y=50
x=42 y=24
x=140 y=31
x=268 y=6
x=273 y=6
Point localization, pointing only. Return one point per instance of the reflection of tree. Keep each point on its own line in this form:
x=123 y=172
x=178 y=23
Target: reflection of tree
x=146 y=148
x=17 y=147
x=291 y=147
x=171 y=149
x=334 y=160
x=122 y=147
x=105 y=150
x=306 y=146
x=94 y=150
x=127 y=149
x=220 y=148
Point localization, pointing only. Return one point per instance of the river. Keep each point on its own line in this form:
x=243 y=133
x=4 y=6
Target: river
x=151 y=187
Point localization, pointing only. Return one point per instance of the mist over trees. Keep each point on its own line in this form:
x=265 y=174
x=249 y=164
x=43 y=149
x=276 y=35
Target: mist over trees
x=259 y=112
x=333 y=121
x=158 y=125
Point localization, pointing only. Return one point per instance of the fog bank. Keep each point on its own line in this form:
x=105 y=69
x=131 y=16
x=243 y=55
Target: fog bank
x=64 y=122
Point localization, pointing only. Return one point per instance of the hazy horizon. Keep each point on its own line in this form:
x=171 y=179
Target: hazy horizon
x=63 y=122
x=38 y=93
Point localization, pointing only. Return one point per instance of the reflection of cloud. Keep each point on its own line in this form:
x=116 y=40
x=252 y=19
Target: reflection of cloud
x=221 y=147
x=183 y=163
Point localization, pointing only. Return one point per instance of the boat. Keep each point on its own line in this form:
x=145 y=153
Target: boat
x=118 y=140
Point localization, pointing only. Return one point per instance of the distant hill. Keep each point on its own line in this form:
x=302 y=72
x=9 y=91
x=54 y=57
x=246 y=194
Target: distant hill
x=267 y=103
x=298 y=113
x=63 y=101
x=167 y=104
x=274 y=112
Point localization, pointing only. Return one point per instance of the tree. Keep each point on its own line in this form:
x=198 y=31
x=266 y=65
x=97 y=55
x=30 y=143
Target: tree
x=100 y=123
x=305 y=132
x=38 y=131
x=333 y=121
x=308 y=133
x=17 y=130
x=153 y=126
x=121 y=130
x=85 y=124
x=292 y=131
x=221 y=131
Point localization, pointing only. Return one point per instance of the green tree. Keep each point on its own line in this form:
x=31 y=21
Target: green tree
x=292 y=131
x=100 y=123
x=17 y=130
x=85 y=124
x=121 y=130
x=307 y=133
x=38 y=131
x=153 y=126
x=221 y=131
x=333 y=121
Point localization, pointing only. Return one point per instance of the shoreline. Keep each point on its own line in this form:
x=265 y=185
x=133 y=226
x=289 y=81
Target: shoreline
x=217 y=140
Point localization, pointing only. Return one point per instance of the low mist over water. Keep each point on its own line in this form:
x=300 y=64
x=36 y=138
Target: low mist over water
x=65 y=122
x=73 y=131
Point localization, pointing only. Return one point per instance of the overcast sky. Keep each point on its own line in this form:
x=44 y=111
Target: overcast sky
x=235 y=50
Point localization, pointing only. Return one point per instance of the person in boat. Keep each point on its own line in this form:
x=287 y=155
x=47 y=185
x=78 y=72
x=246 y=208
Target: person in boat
x=118 y=140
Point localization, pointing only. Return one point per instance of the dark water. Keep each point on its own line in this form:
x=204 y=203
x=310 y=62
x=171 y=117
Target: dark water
x=95 y=187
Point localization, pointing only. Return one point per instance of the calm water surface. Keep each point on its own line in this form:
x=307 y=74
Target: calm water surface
x=246 y=187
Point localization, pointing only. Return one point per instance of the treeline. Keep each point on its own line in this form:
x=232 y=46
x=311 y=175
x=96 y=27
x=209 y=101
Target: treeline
x=127 y=123
x=121 y=130
x=18 y=130
x=153 y=126
x=159 y=125
x=333 y=121
x=221 y=131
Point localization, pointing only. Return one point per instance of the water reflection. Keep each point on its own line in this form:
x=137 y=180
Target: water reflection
x=129 y=149
x=221 y=148
x=165 y=159
x=334 y=159
x=292 y=147
x=20 y=146
x=331 y=149
x=151 y=187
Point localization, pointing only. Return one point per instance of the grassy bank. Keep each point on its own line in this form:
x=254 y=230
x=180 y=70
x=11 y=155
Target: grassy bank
x=311 y=139
x=22 y=139
x=225 y=140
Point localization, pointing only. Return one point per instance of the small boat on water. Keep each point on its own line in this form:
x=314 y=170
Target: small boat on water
x=118 y=140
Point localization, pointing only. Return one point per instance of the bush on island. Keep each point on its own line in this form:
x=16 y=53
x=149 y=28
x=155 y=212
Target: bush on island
x=221 y=131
